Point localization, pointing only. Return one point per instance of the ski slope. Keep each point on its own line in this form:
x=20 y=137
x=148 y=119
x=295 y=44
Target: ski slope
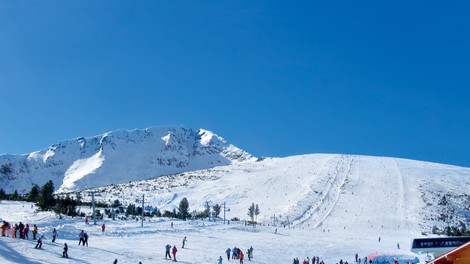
x=327 y=205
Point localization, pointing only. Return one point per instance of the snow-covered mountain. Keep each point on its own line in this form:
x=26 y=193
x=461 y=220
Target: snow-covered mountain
x=324 y=191
x=116 y=157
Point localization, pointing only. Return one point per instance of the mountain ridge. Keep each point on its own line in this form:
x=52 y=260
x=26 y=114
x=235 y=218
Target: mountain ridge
x=118 y=156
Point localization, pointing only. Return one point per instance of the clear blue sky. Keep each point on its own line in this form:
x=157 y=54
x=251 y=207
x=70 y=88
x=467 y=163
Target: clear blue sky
x=275 y=78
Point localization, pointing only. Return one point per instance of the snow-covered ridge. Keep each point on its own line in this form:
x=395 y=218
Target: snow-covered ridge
x=118 y=156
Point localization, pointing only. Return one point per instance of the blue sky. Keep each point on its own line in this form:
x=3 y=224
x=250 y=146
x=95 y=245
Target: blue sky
x=275 y=78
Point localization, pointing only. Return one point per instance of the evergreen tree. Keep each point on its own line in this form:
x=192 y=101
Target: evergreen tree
x=184 y=208
x=3 y=196
x=46 y=198
x=216 y=210
x=257 y=212
x=251 y=212
x=33 y=194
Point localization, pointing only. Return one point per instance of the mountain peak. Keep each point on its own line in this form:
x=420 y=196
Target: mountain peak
x=119 y=156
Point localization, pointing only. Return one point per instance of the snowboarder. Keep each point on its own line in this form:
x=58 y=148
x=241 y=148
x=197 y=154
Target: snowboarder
x=54 y=235
x=39 y=244
x=167 y=251
x=184 y=242
x=220 y=260
x=174 y=250
x=64 y=253
x=228 y=253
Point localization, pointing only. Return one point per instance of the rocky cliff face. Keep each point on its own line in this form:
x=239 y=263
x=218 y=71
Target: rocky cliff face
x=116 y=157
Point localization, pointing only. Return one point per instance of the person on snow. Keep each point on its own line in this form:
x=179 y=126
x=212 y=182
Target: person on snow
x=102 y=228
x=85 y=239
x=14 y=230
x=66 y=249
x=184 y=242
x=167 y=251
x=81 y=236
x=21 y=228
x=4 y=228
x=241 y=256
x=54 y=235
x=219 y=260
x=39 y=244
x=174 y=250
x=34 y=231
x=26 y=232
x=115 y=261
x=228 y=253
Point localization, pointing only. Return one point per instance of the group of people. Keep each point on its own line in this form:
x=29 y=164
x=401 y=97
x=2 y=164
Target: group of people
x=237 y=253
x=21 y=231
x=314 y=260
x=173 y=251
x=83 y=238
x=18 y=229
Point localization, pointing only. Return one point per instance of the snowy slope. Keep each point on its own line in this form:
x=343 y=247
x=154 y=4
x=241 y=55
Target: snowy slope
x=116 y=157
x=323 y=191
x=327 y=205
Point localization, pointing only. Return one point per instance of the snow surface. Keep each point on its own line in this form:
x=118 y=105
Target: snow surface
x=326 y=205
x=128 y=242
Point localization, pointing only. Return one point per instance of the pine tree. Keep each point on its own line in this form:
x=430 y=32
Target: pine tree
x=33 y=194
x=46 y=196
x=216 y=210
x=251 y=212
x=184 y=208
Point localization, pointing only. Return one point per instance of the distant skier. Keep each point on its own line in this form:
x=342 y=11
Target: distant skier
x=34 y=231
x=66 y=249
x=228 y=253
x=167 y=251
x=39 y=244
x=115 y=261
x=219 y=260
x=81 y=236
x=85 y=239
x=241 y=256
x=54 y=235
x=174 y=250
x=103 y=227
x=184 y=242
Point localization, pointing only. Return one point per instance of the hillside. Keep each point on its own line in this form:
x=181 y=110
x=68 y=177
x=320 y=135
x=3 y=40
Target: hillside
x=324 y=191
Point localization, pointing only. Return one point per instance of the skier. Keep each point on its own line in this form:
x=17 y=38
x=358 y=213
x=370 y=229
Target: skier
x=21 y=227
x=39 y=244
x=81 y=236
x=26 y=232
x=220 y=260
x=115 y=261
x=240 y=255
x=167 y=251
x=184 y=242
x=66 y=248
x=174 y=250
x=34 y=231
x=85 y=239
x=86 y=220
x=102 y=228
x=228 y=253
x=54 y=235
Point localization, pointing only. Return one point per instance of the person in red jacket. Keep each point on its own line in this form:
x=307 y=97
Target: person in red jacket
x=174 y=250
x=241 y=256
x=102 y=228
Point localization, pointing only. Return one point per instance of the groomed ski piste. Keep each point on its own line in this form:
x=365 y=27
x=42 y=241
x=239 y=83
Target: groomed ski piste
x=335 y=205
